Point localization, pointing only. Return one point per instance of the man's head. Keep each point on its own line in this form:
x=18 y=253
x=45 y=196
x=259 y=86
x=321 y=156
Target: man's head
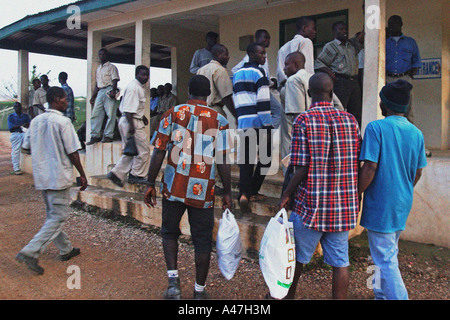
x=395 y=24
x=262 y=37
x=321 y=87
x=306 y=26
x=395 y=97
x=57 y=98
x=36 y=83
x=161 y=90
x=103 y=55
x=220 y=54
x=294 y=61
x=153 y=92
x=256 y=53
x=44 y=80
x=211 y=39
x=62 y=77
x=142 y=74
x=199 y=87
x=340 y=31
x=18 y=108
x=168 y=87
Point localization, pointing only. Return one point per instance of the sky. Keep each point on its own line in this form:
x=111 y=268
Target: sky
x=12 y=11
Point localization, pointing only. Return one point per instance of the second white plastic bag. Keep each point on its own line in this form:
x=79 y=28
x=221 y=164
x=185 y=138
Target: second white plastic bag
x=228 y=245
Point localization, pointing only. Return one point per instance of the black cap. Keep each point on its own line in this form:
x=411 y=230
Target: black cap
x=396 y=95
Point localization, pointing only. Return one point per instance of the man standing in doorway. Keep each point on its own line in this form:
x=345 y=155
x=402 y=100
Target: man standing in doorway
x=302 y=42
x=339 y=58
x=132 y=123
x=17 y=121
x=402 y=58
x=204 y=56
x=40 y=97
x=104 y=100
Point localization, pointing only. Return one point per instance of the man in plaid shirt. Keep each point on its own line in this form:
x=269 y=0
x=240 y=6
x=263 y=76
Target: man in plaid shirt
x=324 y=152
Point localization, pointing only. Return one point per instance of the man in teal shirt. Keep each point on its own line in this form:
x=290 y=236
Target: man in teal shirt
x=393 y=152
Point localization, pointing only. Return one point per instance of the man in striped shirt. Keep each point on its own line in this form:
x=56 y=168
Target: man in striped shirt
x=251 y=97
x=325 y=148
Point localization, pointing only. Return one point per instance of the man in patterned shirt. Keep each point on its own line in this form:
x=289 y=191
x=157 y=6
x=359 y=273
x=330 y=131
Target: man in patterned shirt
x=324 y=152
x=194 y=136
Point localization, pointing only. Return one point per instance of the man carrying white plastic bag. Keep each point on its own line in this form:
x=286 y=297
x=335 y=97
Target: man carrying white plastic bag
x=324 y=154
x=228 y=244
x=277 y=255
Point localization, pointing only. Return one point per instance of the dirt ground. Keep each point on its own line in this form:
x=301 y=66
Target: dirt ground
x=125 y=261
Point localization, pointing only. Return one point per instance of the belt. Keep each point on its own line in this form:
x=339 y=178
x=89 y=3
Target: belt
x=351 y=78
x=397 y=75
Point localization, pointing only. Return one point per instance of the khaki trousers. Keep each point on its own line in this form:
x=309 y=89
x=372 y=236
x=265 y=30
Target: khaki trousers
x=139 y=164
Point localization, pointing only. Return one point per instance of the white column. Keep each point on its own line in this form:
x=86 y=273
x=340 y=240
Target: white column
x=23 y=81
x=374 y=59
x=142 y=57
x=94 y=44
x=445 y=82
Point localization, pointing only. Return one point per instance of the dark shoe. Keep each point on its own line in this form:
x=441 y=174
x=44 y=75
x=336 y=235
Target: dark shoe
x=32 y=263
x=107 y=140
x=201 y=295
x=70 y=255
x=136 y=180
x=173 y=290
x=93 y=141
x=111 y=176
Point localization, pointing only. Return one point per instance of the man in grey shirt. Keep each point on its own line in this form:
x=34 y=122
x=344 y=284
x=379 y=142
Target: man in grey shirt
x=204 y=56
x=54 y=144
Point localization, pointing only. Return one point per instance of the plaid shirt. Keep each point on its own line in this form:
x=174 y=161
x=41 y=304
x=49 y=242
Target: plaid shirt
x=328 y=141
x=193 y=134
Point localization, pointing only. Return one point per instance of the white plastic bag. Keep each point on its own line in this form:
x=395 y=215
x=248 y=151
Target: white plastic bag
x=277 y=255
x=228 y=244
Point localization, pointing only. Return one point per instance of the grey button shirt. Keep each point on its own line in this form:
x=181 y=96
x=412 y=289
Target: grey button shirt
x=339 y=57
x=52 y=138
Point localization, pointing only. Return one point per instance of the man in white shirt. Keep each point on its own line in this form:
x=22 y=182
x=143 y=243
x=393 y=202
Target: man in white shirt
x=302 y=42
x=54 y=145
x=104 y=100
x=133 y=122
x=39 y=98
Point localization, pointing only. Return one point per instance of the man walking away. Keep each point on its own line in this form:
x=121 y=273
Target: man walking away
x=324 y=153
x=54 y=145
x=16 y=122
x=393 y=152
x=132 y=123
x=195 y=136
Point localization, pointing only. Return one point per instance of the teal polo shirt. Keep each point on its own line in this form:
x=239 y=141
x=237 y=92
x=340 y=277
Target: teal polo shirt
x=398 y=148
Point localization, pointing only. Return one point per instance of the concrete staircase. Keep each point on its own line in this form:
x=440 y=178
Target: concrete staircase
x=128 y=201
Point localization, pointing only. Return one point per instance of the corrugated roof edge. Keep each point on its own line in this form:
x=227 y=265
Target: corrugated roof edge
x=58 y=14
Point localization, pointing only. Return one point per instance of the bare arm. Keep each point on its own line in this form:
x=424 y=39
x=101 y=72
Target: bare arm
x=366 y=175
x=75 y=159
x=155 y=165
x=418 y=176
x=300 y=174
x=228 y=101
x=225 y=176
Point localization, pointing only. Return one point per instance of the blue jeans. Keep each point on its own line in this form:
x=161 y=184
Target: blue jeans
x=388 y=283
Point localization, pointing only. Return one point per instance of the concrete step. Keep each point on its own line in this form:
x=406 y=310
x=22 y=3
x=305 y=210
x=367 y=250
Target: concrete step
x=267 y=207
x=130 y=204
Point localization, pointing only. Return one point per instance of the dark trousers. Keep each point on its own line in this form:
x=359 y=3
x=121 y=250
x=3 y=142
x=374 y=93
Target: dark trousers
x=254 y=159
x=349 y=93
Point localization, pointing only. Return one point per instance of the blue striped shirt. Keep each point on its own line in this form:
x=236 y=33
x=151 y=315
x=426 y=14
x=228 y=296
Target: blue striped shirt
x=251 y=97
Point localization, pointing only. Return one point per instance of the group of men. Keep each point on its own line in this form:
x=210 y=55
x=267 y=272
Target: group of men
x=325 y=151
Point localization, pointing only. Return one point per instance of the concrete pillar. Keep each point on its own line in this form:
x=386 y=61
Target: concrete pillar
x=23 y=81
x=142 y=57
x=445 y=81
x=374 y=59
